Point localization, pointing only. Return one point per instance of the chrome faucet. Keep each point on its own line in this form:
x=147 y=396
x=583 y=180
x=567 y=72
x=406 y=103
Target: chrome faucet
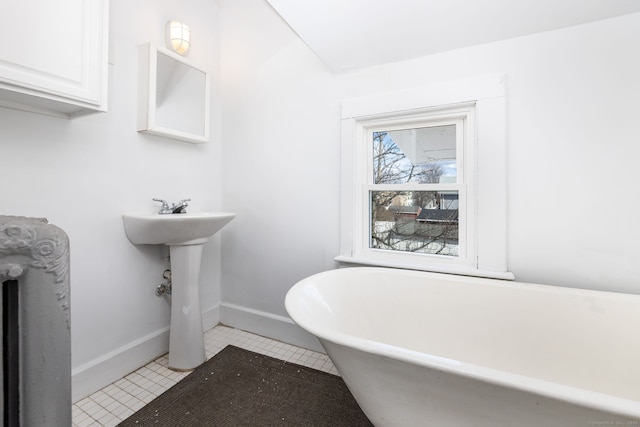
x=176 y=208
x=180 y=207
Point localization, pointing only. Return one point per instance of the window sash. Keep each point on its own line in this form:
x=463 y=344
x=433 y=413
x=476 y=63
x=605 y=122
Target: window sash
x=461 y=118
x=465 y=250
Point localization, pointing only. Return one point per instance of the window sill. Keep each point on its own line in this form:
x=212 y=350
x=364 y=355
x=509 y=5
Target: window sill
x=460 y=270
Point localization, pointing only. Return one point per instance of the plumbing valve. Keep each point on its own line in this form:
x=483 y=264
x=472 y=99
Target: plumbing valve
x=164 y=288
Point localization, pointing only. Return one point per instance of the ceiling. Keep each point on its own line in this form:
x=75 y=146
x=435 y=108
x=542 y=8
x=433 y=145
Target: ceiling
x=348 y=34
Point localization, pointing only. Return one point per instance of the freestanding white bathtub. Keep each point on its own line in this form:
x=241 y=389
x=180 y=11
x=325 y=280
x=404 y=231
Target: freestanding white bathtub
x=426 y=349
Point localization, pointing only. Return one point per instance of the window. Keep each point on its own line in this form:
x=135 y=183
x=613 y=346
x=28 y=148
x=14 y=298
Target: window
x=415 y=184
x=415 y=192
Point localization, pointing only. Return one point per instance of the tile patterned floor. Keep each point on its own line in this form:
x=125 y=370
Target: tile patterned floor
x=116 y=402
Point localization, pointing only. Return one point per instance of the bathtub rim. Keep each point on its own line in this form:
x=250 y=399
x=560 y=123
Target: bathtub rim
x=570 y=394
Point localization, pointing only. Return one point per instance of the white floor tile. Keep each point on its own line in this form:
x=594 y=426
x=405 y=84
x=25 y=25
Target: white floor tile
x=117 y=401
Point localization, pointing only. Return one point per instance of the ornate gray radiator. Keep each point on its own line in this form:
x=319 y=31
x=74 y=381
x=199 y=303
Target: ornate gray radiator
x=34 y=272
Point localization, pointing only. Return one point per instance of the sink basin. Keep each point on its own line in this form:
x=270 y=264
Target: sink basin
x=174 y=229
x=185 y=234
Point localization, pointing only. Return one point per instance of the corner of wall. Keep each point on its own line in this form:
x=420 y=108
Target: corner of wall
x=268 y=325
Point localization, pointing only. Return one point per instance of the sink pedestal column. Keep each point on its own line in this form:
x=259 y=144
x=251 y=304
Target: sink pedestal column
x=186 y=336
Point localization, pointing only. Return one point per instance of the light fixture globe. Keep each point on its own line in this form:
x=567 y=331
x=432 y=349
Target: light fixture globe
x=178 y=37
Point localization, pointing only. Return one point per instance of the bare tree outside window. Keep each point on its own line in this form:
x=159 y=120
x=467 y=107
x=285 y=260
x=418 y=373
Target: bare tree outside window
x=414 y=220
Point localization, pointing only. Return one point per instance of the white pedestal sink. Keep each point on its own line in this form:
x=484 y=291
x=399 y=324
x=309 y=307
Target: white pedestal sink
x=185 y=234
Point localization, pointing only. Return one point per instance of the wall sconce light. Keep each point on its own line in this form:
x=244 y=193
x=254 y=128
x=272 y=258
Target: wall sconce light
x=178 y=37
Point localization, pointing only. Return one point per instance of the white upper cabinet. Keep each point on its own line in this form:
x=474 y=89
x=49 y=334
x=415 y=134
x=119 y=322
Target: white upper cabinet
x=54 y=56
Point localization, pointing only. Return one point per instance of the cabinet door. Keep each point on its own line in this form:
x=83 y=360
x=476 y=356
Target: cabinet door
x=55 y=51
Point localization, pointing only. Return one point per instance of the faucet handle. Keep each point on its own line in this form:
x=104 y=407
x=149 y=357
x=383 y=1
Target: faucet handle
x=165 y=205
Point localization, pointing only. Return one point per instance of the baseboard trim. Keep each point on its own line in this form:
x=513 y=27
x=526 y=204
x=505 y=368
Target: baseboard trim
x=102 y=371
x=267 y=325
x=210 y=317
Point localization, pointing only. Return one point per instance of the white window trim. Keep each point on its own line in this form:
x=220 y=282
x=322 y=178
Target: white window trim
x=488 y=237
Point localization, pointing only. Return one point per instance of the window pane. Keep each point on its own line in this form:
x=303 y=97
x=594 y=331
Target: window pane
x=423 y=155
x=415 y=221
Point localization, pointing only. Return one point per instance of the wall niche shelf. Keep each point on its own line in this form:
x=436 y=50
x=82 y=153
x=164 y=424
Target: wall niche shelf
x=174 y=96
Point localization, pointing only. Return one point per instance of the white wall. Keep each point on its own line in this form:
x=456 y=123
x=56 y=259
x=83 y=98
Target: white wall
x=280 y=145
x=573 y=150
x=84 y=174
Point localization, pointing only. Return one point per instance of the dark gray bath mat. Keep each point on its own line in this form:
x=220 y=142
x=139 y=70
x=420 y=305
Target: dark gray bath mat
x=238 y=388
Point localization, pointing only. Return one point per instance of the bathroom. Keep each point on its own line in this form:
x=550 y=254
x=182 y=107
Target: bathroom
x=274 y=159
